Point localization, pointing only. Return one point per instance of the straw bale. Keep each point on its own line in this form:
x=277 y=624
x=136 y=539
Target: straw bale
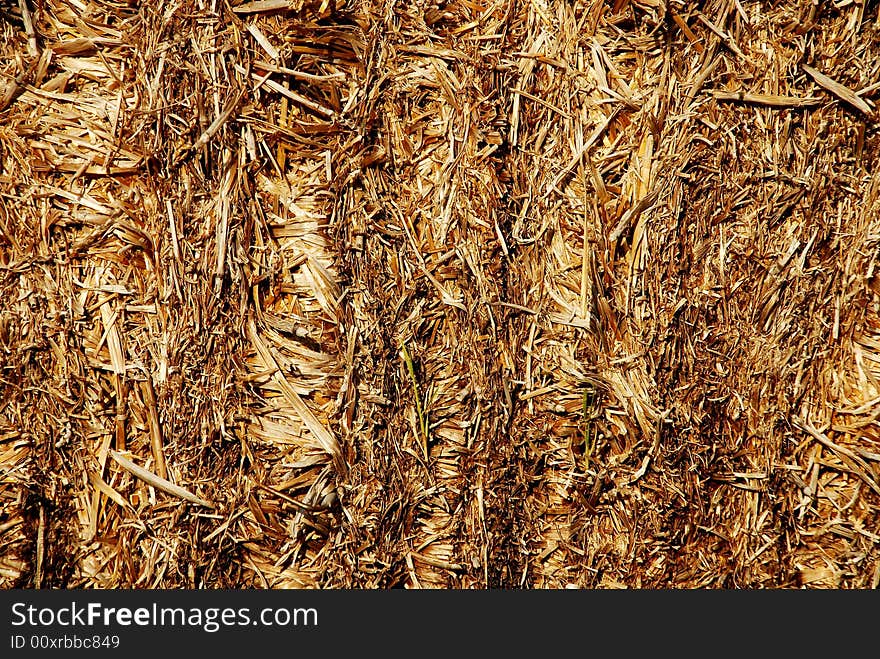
x=517 y=293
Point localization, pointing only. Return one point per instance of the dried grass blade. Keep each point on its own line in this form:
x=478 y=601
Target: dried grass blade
x=266 y=5
x=156 y=442
x=840 y=91
x=326 y=439
x=770 y=100
x=632 y=214
x=858 y=466
x=159 y=483
x=33 y=46
x=588 y=144
x=284 y=91
x=205 y=137
x=102 y=487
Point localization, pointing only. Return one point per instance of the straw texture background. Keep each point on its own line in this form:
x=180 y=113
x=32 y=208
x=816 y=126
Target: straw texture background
x=477 y=294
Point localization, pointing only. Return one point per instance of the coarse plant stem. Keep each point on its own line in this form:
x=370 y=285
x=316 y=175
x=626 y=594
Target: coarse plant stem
x=423 y=417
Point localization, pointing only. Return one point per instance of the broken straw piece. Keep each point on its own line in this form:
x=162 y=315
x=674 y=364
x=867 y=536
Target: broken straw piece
x=841 y=92
x=159 y=483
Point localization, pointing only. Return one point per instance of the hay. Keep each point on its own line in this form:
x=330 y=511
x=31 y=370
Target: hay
x=505 y=294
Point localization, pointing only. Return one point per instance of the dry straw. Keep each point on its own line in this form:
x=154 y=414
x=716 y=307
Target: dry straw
x=515 y=293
